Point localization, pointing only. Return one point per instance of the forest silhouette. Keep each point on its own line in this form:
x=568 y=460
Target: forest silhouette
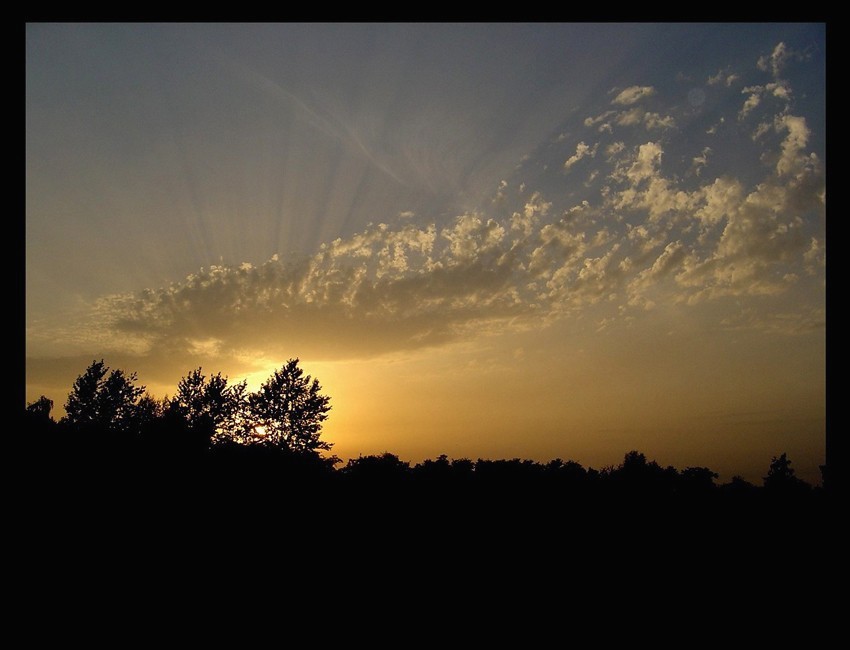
x=217 y=479
x=219 y=490
x=215 y=441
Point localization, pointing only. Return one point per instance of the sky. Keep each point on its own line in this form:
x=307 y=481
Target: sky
x=499 y=240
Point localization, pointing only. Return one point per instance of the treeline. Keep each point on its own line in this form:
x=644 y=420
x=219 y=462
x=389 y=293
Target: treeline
x=216 y=433
x=217 y=484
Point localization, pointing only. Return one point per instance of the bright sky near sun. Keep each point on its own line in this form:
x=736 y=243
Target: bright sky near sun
x=485 y=240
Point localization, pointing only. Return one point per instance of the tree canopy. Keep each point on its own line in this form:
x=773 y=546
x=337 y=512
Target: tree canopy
x=103 y=399
x=289 y=409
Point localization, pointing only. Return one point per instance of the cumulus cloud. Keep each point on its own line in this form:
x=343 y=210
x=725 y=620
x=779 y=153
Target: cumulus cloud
x=582 y=150
x=776 y=60
x=635 y=116
x=794 y=158
x=599 y=119
x=779 y=88
x=723 y=77
x=749 y=105
x=656 y=121
x=632 y=95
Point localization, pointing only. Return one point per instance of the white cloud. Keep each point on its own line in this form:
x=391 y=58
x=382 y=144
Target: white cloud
x=646 y=237
x=723 y=78
x=472 y=237
x=633 y=94
x=646 y=162
x=582 y=150
x=761 y=129
x=631 y=117
x=719 y=201
x=698 y=162
x=593 y=121
x=779 y=89
x=749 y=105
x=666 y=264
x=522 y=224
x=656 y=121
x=776 y=60
x=613 y=149
x=793 y=158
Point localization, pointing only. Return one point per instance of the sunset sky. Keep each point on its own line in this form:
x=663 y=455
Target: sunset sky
x=485 y=240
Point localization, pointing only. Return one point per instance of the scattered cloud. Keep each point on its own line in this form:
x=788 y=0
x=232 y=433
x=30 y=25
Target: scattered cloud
x=698 y=162
x=724 y=78
x=593 y=121
x=635 y=116
x=582 y=150
x=632 y=95
x=750 y=104
x=776 y=60
x=794 y=159
x=645 y=231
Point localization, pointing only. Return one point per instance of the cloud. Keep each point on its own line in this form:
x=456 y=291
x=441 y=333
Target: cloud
x=669 y=261
x=613 y=149
x=779 y=88
x=582 y=150
x=649 y=223
x=593 y=121
x=793 y=159
x=776 y=60
x=635 y=116
x=714 y=128
x=777 y=322
x=698 y=162
x=749 y=105
x=650 y=239
x=632 y=95
x=723 y=77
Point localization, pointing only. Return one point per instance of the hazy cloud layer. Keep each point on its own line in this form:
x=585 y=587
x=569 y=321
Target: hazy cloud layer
x=649 y=228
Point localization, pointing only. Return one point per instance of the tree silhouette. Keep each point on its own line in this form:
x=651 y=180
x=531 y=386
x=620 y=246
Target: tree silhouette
x=40 y=409
x=210 y=408
x=40 y=427
x=385 y=468
x=103 y=400
x=697 y=480
x=147 y=415
x=289 y=409
x=780 y=477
